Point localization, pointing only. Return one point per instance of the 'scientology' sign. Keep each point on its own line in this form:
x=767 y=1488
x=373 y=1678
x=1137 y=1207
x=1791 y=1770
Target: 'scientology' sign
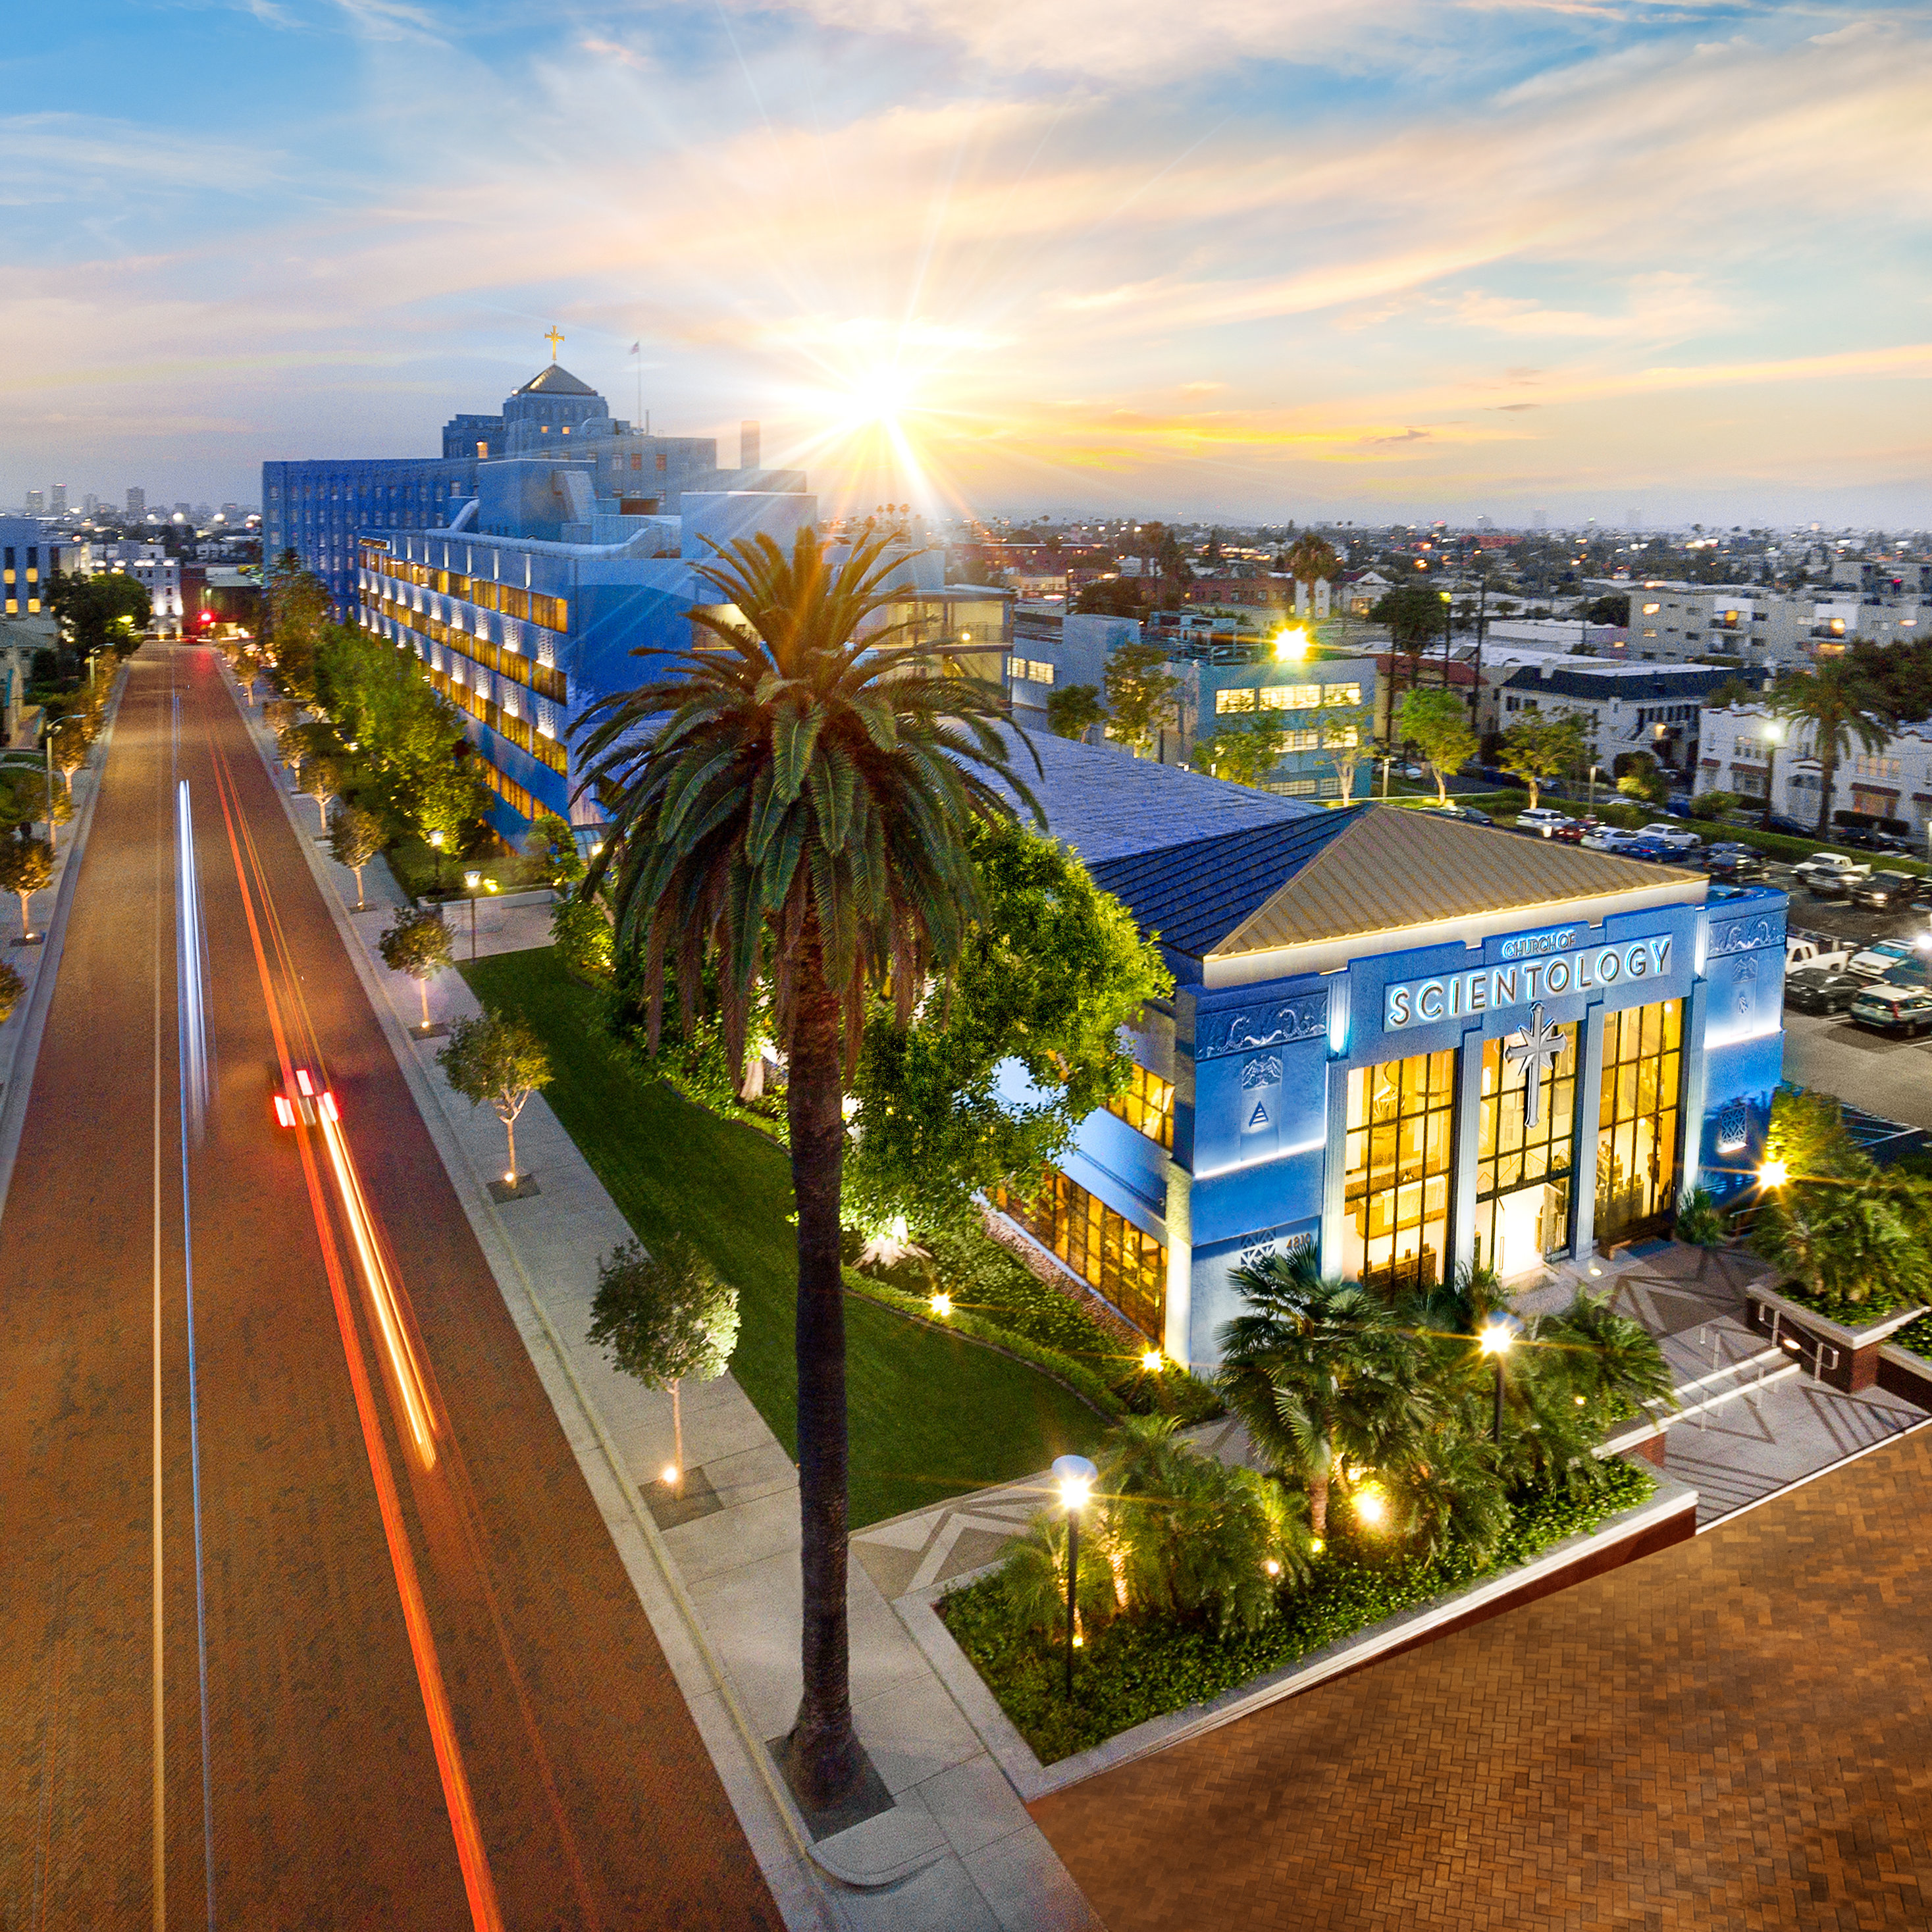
x=1491 y=988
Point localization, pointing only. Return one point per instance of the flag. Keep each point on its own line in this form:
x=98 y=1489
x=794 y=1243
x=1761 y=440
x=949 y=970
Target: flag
x=637 y=348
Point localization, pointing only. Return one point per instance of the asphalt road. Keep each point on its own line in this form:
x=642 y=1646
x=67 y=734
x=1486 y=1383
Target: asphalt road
x=1889 y=1077
x=385 y=1602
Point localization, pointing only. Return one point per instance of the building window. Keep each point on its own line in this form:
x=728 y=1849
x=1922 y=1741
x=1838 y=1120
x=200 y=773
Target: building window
x=1395 y=1189
x=1285 y=697
x=1636 y=1119
x=1104 y=1249
x=1032 y=669
x=1863 y=767
x=1227 y=701
x=1523 y=1168
x=1341 y=694
x=1146 y=1106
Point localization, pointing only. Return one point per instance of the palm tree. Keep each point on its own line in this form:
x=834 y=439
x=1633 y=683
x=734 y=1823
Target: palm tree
x=1843 y=707
x=791 y=799
x=1323 y=1375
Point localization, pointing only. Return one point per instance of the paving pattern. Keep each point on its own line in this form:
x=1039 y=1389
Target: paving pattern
x=1731 y=1736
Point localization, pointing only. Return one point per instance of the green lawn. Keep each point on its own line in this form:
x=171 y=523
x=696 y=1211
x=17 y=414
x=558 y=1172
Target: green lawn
x=932 y=1415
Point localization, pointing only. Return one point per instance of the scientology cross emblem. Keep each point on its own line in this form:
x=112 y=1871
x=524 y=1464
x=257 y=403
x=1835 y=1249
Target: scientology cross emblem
x=1537 y=1046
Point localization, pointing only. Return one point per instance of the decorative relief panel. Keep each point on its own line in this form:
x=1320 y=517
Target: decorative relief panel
x=1247 y=1029
x=1745 y=935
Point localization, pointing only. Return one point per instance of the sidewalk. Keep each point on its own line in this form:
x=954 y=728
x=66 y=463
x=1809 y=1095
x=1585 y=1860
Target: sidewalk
x=717 y=1570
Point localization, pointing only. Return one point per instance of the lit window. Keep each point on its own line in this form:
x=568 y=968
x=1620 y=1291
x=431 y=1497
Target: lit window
x=1650 y=610
x=1228 y=701
x=1341 y=694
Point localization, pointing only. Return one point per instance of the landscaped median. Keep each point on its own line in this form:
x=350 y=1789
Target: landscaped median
x=934 y=1412
x=1144 y=1683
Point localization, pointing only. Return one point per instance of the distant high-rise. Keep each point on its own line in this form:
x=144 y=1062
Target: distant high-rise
x=60 y=499
x=137 y=505
x=747 y=444
x=184 y=509
x=36 y=503
x=90 y=504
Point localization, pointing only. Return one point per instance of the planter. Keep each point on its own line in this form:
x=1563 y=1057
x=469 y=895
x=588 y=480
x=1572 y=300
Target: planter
x=1843 y=1358
x=1901 y=1372
x=1669 y=1516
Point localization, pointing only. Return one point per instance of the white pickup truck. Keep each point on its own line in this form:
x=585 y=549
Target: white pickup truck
x=1828 y=865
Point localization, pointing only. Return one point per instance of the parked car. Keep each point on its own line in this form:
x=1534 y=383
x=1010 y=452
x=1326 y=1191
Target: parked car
x=1731 y=865
x=1829 y=865
x=1869 y=838
x=1469 y=813
x=1678 y=836
x=1802 y=952
x=1881 y=957
x=1789 y=828
x=1653 y=851
x=1830 y=885
x=1608 y=839
x=1903 y=1009
x=1540 y=818
x=1817 y=989
x=1885 y=889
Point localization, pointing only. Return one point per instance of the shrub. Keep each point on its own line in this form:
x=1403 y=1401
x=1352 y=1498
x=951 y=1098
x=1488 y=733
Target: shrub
x=582 y=937
x=1700 y=1222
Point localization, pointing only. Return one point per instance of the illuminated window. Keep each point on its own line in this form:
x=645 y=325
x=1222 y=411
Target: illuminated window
x=1104 y=1249
x=1523 y=1170
x=1650 y=610
x=483 y=449
x=1341 y=694
x=1227 y=701
x=1301 y=741
x=1395 y=1188
x=1342 y=737
x=1636 y=1119
x=1146 y=1106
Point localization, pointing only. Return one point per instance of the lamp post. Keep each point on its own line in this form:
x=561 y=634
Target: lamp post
x=1448 y=635
x=472 y=883
x=436 y=846
x=1773 y=731
x=1594 y=770
x=1495 y=1338
x=1075 y=1475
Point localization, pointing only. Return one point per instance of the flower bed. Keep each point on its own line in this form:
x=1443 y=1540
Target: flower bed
x=1138 y=1668
x=1881 y=1299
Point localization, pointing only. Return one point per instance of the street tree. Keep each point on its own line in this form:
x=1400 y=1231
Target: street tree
x=70 y=738
x=1348 y=735
x=417 y=944
x=299 y=611
x=107 y=611
x=1243 y=754
x=1838 y=707
x=1074 y=709
x=496 y=1059
x=1311 y=560
x=324 y=781
x=1641 y=778
x=357 y=839
x=291 y=747
x=1541 y=745
x=552 y=844
x=1438 y=722
x=666 y=1318
x=800 y=818
x=1413 y=613
x=11 y=987
x=26 y=867
x=1140 y=695
x=1047 y=975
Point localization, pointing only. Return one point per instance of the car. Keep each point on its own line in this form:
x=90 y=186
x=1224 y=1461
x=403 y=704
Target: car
x=1411 y=771
x=1540 y=818
x=1676 y=835
x=1884 y=889
x=1881 y=958
x=1828 y=864
x=1830 y=885
x=1884 y=1008
x=301 y=1097
x=1817 y=989
x=1652 y=851
x=1868 y=839
x=1608 y=839
x=1789 y=828
x=1732 y=869
x=1468 y=813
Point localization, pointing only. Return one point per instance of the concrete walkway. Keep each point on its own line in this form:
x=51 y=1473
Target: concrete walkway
x=717 y=1570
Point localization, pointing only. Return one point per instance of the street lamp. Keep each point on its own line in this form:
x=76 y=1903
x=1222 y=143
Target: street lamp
x=1594 y=770
x=1495 y=1338
x=471 y=881
x=435 y=845
x=1076 y=1476
x=1774 y=732
x=1448 y=635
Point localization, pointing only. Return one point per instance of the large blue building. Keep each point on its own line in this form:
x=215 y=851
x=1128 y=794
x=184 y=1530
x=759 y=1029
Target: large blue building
x=526 y=579
x=1402 y=1043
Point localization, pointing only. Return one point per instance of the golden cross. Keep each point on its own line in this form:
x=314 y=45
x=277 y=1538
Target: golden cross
x=555 y=337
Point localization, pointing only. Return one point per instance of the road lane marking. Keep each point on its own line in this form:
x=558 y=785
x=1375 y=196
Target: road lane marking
x=472 y=1857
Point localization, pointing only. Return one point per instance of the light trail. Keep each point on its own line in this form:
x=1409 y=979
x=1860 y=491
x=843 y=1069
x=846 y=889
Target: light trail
x=472 y=1858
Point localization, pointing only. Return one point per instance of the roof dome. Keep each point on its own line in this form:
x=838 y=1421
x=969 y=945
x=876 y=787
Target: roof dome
x=554 y=379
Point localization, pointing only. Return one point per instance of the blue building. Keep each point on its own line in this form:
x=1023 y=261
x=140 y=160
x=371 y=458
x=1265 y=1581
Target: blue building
x=1400 y=1043
x=526 y=597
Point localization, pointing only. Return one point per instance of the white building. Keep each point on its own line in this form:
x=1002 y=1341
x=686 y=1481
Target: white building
x=150 y=566
x=1624 y=707
x=1883 y=604
x=1892 y=786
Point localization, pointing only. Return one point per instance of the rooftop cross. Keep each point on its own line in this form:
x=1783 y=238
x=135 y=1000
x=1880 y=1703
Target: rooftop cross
x=1536 y=1047
x=554 y=338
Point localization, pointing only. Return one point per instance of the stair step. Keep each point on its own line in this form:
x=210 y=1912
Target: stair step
x=1741 y=1365
x=1747 y=1389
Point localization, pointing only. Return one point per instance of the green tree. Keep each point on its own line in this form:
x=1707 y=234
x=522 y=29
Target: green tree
x=357 y=839
x=1311 y=559
x=107 y=611
x=497 y=1059
x=802 y=812
x=664 y=1319
x=1642 y=778
x=551 y=844
x=1243 y=753
x=1140 y=695
x=26 y=867
x=1613 y=609
x=1074 y=709
x=71 y=737
x=325 y=781
x=1413 y=613
x=1046 y=976
x=1710 y=804
x=1110 y=597
x=417 y=944
x=1348 y=739
x=291 y=747
x=581 y=934
x=1849 y=1241
x=1323 y=1376
x=452 y=798
x=1438 y=722
x=11 y=987
x=1838 y=707
x=1541 y=745
x=299 y=610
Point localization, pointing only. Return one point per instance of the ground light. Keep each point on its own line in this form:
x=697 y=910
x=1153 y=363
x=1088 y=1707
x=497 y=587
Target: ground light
x=1372 y=1506
x=1773 y=1174
x=1151 y=1361
x=1075 y=1476
x=942 y=1304
x=1495 y=1338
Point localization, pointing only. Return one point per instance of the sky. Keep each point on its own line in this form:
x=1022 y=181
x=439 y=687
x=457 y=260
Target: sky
x=1254 y=260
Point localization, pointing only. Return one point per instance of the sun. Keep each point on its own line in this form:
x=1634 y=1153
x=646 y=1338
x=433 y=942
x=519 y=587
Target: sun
x=878 y=396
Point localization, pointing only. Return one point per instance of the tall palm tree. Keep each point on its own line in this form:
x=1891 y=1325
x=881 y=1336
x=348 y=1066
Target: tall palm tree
x=1323 y=1374
x=1843 y=707
x=1310 y=559
x=791 y=798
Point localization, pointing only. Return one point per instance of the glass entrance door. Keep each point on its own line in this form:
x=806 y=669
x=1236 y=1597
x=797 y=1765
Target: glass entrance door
x=1524 y=1164
x=1637 y=1120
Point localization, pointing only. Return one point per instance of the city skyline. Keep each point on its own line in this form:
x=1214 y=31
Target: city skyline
x=1378 y=263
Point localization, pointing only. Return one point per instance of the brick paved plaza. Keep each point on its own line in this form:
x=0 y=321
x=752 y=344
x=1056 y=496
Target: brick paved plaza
x=1736 y=1733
